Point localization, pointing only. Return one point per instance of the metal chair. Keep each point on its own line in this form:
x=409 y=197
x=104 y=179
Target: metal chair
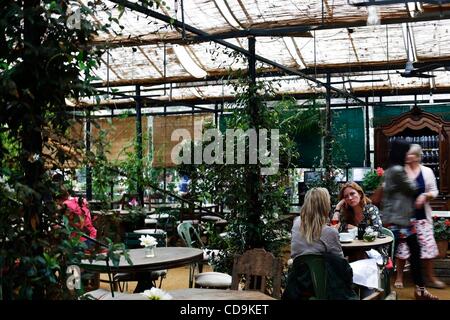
x=192 y=239
x=316 y=266
x=385 y=274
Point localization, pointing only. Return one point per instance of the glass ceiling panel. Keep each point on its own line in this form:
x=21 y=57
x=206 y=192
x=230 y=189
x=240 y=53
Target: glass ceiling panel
x=432 y=38
x=375 y=44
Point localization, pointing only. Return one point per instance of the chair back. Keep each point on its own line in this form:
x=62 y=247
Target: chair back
x=388 y=232
x=257 y=266
x=189 y=235
x=132 y=239
x=316 y=266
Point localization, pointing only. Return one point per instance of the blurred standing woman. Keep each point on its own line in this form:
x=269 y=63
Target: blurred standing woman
x=427 y=190
x=398 y=211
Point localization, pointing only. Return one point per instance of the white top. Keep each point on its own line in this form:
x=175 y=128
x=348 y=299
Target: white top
x=430 y=187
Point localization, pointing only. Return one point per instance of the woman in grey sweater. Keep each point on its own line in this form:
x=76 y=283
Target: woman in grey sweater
x=310 y=232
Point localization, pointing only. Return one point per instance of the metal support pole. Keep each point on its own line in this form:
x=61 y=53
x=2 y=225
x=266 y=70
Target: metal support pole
x=327 y=138
x=88 y=149
x=140 y=189
x=366 y=107
x=253 y=184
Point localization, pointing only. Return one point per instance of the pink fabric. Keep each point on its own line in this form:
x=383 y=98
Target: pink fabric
x=425 y=237
x=84 y=216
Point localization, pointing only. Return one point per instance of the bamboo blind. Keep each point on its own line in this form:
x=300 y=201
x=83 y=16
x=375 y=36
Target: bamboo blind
x=163 y=126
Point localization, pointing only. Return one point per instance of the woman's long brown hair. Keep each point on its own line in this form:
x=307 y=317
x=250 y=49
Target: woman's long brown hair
x=348 y=213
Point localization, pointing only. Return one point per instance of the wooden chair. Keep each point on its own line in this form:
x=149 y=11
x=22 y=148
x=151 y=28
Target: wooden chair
x=256 y=267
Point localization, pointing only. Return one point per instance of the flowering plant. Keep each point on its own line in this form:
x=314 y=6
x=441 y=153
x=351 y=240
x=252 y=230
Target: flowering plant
x=372 y=179
x=148 y=241
x=441 y=227
x=369 y=234
x=157 y=294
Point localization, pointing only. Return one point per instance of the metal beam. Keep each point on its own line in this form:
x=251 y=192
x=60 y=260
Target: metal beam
x=291 y=31
x=176 y=23
x=271 y=72
x=391 y=2
x=230 y=99
x=138 y=148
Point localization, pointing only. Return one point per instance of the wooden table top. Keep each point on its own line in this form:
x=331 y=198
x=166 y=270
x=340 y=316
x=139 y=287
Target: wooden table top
x=218 y=294
x=200 y=294
x=364 y=244
x=165 y=258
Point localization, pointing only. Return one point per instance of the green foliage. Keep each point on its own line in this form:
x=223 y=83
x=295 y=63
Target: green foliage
x=103 y=171
x=338 y=156
x=441 y=227
x=228 y=184
x=43 y=61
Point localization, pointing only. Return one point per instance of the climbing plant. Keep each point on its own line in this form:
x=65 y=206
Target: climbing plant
x=45 y=58
x=227 y=184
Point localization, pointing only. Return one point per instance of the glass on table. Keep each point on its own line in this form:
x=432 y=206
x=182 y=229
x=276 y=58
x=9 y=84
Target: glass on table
x=335 y=219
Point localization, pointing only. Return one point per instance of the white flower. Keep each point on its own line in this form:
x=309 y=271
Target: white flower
x=34 y=157
x=148 y=241
x=157 y=294
x=369 y=231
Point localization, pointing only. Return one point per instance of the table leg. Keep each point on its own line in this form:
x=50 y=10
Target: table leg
x=144 y=282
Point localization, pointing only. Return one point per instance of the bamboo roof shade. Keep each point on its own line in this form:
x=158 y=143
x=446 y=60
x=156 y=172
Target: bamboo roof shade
x=325 y=36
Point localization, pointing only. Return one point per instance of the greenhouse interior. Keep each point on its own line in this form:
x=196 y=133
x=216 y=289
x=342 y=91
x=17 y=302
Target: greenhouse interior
x=285 y=150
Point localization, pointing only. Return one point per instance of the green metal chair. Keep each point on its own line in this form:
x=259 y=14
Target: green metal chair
x=388 y=232
x=192 y=239
x=385 y=274
x=316 y=266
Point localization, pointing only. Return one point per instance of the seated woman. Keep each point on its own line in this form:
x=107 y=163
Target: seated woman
x=310 y=232
x=355 y=209
x=312 y=236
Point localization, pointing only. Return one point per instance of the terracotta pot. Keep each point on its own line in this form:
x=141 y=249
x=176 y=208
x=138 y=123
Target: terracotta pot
x=442 y=247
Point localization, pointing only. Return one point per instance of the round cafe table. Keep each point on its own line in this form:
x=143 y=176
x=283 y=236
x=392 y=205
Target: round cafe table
x=165 y=258
x=355 y=250
x=361 y=244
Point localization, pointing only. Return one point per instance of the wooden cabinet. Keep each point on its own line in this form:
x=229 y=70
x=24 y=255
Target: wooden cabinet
x=432 y=133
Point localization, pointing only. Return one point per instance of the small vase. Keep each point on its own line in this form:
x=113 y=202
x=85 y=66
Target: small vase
x=149 y=251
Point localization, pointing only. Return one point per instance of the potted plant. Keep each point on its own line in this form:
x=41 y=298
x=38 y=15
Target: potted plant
x=372 y=184
x=441 y=227
x=372 y=180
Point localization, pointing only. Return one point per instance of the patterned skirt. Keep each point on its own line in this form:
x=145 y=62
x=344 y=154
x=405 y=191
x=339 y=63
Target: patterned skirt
x=425 y=237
